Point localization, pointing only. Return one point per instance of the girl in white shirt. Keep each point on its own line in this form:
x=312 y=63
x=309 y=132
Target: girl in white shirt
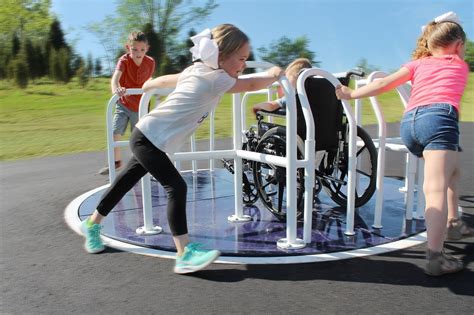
x=220 y=57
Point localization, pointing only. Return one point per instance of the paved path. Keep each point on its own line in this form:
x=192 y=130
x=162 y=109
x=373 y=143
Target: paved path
x=45 y=271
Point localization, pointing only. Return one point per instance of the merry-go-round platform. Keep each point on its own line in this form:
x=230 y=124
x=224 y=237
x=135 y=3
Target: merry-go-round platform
x=389 y=221
x=211 y=202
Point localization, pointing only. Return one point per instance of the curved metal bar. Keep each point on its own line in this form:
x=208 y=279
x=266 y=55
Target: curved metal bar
x=352 y=141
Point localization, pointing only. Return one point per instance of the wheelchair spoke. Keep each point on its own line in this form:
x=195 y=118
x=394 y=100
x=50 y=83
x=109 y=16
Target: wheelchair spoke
x=267 y=184
x=362 y=172
x=360 y=150
x=281 y=189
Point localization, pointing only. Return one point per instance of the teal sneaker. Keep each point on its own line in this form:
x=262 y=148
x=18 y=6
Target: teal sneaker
x=93 y=244
x=194 y=259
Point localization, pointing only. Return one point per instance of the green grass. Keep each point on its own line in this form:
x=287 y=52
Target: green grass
x=53 y=119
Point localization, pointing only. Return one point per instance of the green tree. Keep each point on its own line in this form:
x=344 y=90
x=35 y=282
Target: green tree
x=168 y=18
x=90 y=65
x=366 y=67
x=166 y=66
x=76 y=63
x=56 y=36
x=64 y=55
x=98 y=68
x=154 y=42
x=15 y=45
x=41 y=62
x=82 y=74
x=470 y=55
x=180 y=53
x=3 y=65
x=284 y=51
x=32 y=59
x=60 y=65
x=25 y=18
x=20 y=70
x=59 y=54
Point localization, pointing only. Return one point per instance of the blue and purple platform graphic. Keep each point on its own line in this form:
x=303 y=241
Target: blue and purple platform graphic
x=211 y=202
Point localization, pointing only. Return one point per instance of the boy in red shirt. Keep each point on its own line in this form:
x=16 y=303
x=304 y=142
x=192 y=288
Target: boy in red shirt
x=132 y=71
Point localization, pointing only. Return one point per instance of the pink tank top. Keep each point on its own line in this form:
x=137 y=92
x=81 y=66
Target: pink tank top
x=437 y=80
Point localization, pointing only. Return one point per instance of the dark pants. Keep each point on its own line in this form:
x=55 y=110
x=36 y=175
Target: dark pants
x=148 y=158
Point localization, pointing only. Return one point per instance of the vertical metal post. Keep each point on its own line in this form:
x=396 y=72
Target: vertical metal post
x=212 y=140
x=290 y=242
x=148 y=228
x=238 y=216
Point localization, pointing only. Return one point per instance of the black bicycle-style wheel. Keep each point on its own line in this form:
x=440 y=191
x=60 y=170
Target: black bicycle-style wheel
x=270 y=180
x=249 y=190
x=335 y=183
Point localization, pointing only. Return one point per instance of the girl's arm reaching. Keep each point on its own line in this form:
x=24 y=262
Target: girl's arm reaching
x=165 y=81
x=376 y=87
x=258 y=82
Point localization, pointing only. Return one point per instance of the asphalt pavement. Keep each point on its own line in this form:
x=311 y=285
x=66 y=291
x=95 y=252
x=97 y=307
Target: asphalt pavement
x=44 y=269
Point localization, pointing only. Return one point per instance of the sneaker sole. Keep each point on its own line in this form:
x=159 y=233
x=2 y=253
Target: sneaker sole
x=97 y=251
x=191 y=269
x=442 y=273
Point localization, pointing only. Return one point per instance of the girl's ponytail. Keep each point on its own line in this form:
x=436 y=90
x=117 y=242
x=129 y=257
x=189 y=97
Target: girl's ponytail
x=436 y=35
x=421 y=49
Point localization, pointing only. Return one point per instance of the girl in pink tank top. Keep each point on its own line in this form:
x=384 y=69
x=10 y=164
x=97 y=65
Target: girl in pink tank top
x=430 y=130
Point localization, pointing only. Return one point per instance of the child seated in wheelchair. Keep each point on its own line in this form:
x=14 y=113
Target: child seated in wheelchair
x=267 y=181
x=291 y=72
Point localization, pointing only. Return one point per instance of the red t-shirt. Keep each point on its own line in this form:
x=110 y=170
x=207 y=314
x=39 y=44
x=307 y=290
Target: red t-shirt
x=134 y=76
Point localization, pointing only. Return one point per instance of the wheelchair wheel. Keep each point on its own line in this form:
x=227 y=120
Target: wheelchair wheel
x=335 y=184
x=249 y=191
x=270 y=180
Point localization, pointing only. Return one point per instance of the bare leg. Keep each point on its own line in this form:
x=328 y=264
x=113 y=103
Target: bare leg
x=117 y=152
x=453 y=212
x=96 y=217
x=180 y=241
x=440 y=167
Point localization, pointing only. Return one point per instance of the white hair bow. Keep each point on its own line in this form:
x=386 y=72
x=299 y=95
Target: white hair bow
x=205 y=49
x=445 y=17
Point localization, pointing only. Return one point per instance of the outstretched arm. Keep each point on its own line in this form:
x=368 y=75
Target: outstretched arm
x=268 y=106
x=376 y=87
x=258 y=82
x=165 y=81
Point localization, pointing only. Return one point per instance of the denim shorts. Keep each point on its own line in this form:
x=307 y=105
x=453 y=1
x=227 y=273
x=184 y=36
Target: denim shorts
x=430 y=127
x=122 y=117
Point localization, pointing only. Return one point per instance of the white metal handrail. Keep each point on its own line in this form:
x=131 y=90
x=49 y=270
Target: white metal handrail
x=310 y=146
x=395 y=145
x=111 y=144
x=290 y=161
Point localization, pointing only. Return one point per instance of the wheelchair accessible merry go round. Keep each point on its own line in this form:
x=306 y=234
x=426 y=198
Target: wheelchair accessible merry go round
x=309 y=187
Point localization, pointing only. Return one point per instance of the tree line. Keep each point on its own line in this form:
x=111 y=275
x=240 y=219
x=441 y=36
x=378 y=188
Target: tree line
x=33 y=44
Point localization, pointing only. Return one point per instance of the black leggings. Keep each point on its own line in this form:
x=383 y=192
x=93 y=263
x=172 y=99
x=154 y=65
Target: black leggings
x=148 y=158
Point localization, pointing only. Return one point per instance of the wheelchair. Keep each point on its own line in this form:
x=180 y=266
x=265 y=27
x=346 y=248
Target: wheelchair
x=268 y=182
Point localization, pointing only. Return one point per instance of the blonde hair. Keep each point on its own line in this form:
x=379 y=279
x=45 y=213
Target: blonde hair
x=297 y=65
x=136 y=37
x=437 y=35
x=229 y=39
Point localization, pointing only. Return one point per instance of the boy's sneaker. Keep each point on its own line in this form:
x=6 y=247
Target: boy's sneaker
x=105 y=170
x=438 y=264
x=458 y=229
x=93 y=244
x=194 y=259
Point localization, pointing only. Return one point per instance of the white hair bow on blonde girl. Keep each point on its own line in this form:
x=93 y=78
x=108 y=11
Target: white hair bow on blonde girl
x=205 y=49
x=446 y=17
